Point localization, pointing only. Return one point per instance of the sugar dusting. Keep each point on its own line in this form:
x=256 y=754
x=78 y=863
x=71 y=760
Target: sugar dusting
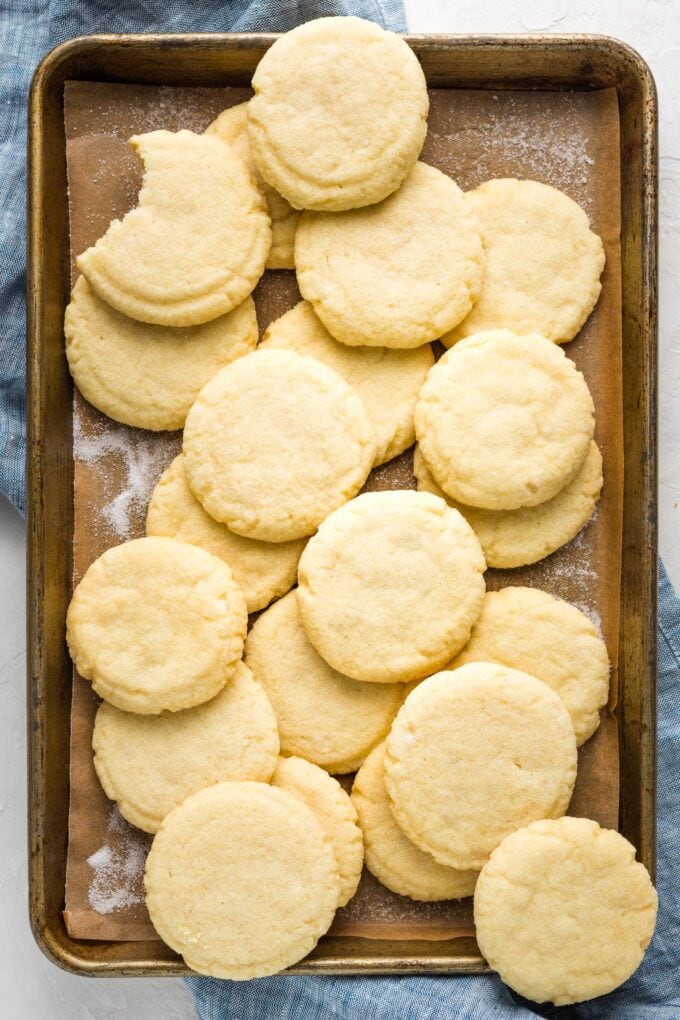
x=135 y=109
x=127 y=463
x=395 y=474
x=577 y=566
x=374 y=906
x=118 y=867
x=592 y=615
x=539 y=145
x=511 y=137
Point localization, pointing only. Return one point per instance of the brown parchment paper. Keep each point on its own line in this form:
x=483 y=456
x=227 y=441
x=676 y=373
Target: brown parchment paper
x=567 y=139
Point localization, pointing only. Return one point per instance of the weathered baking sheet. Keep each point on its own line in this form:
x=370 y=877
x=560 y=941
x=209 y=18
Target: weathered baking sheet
x=567 y=139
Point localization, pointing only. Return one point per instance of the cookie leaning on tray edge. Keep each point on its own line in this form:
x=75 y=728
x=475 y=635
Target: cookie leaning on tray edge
x=461 y=710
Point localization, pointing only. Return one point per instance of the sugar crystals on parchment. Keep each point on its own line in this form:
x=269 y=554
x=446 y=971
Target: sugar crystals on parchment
x=118 y=867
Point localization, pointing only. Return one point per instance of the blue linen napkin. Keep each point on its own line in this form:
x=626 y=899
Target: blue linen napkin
x=653 y=993
x=28 y=30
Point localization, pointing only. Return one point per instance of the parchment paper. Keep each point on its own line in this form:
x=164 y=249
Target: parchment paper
x=567 y=139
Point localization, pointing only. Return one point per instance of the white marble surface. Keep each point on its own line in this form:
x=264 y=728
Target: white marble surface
x=30 y=987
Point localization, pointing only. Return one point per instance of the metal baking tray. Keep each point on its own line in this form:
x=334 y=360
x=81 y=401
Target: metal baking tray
x=556 y=62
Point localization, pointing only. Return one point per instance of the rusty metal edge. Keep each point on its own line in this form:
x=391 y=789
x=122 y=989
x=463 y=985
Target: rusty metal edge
x=34 y=577
x=648 y=549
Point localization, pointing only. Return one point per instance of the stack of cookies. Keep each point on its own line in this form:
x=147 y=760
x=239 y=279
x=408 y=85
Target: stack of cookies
x=459 y=710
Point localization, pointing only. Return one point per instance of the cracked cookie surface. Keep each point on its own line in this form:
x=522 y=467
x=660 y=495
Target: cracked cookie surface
x=563 y=911
x=389 y=582
x=514 y=538
x=322 y=715
x=504 y=421
x=390 y=856
x=386 y=380
x=531 y=630
x=156 y=624
x=335 y=811
x=241 y=880
x=397 y=274
x=274 y=443
x=339 y=113
x=474 y=754
x=543 y=262
x=143 y=375
x=151 y=764
x=262 y=570
x=197 y=241
x=232 y=127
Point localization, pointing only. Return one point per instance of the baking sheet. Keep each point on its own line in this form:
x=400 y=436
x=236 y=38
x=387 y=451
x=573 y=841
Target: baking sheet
x=568 y=139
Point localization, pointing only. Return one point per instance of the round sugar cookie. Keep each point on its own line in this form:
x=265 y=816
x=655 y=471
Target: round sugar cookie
x=274 y=443
x=335 y=811
x=196 y=243
x=563 y=911
x=389 y=582
x=232 y=127
x=241 y=880
x=387 y=381
x=262 y=570
x=543 y=262
x=504 y=421
x=514 y=538
x=322 y=716
x=156 y=625
x=392 y=858
x=474 y=754
x=531 y=630
x=151 y=764
x=339 y=113
x=143 y=375
x=398 y=274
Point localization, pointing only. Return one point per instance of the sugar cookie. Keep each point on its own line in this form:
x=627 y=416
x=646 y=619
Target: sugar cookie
x=232 y=127
x=322 y=716
x=151 y=764
x=143 y=375
x=156 y=624
x=392 y=858
x=531 y=630
x=339 y=113
x=513 y=538
x=387 y=380
x=504 y=421
x=241 y=880
x=335 y=811
x=398 y=274
x=388 y=584
x=563 y=911
x=543 y=262
x=196 y=243
x=474 y=754
x=262 y=570
x=274 y=443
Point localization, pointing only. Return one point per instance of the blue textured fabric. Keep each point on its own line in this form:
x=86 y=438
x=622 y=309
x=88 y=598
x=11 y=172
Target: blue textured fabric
x=653 y=993
x=28 y=30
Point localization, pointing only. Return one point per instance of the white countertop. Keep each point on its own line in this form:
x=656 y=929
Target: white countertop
x=30 y=987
